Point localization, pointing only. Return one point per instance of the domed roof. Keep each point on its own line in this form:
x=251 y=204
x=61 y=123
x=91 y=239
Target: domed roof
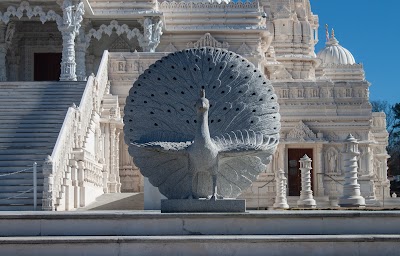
x=333 y=53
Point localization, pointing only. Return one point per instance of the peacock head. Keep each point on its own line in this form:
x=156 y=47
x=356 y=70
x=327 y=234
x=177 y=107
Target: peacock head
x=202 y=104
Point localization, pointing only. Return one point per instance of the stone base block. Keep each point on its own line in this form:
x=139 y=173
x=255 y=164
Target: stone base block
x=202 y=205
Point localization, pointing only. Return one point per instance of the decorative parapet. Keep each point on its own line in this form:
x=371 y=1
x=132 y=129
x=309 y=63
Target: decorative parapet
x=173 y=5
x=208 y=40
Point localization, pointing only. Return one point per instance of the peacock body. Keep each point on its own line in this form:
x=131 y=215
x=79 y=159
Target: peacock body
x=192 y=146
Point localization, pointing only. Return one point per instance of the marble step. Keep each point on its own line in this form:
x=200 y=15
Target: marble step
x=19 y=188
x=18 y=207
x=326 y=245
x=16 y=145
x=14 y=181
x=4 y=162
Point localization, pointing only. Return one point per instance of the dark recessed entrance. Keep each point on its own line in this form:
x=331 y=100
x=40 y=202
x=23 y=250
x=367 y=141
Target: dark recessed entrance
x=294 y=174
x=47 y=66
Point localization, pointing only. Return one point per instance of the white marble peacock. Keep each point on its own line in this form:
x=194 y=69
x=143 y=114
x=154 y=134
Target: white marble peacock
x=202 y=123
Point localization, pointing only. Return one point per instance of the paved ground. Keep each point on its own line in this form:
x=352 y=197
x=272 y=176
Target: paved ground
x=116 y=201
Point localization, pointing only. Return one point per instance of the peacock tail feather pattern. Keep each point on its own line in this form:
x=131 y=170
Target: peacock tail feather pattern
x=161 y=120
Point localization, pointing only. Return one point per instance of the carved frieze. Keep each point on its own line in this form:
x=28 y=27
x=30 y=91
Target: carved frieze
x=301 y=132
x=208 y=40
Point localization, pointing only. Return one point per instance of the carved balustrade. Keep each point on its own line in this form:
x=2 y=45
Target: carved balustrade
x=70 y=143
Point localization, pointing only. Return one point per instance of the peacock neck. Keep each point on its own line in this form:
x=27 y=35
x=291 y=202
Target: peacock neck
x=203 y=132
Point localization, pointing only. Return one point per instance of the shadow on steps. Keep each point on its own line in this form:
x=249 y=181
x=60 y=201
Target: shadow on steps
x=117 y=201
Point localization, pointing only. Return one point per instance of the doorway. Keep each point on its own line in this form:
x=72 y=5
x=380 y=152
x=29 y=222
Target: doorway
x=294 y=173
x=47 y=66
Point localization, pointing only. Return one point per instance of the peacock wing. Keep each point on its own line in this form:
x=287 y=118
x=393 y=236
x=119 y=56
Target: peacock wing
x=166 y=165
x=236 y=174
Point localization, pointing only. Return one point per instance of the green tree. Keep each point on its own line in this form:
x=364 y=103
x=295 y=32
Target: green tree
x=393 y=127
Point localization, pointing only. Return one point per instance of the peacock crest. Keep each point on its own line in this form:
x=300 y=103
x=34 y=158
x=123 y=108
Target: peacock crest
x=208 y=144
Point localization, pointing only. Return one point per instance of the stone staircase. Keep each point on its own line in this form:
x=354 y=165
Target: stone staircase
x=31 y=116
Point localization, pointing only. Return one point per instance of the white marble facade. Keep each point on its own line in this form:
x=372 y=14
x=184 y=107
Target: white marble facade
x=322 y=99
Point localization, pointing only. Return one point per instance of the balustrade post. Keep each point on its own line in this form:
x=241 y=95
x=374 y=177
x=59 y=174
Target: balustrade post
x=280 y=198
x=74 y=179
x=306 y=194
x=34 y=186
x=48 y=199
x=351 y=189
x=81 y=183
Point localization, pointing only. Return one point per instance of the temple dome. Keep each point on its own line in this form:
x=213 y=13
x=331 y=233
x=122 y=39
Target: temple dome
x=334 y=53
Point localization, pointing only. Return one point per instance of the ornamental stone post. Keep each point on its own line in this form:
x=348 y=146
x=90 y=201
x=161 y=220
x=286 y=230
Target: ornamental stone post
x=306 y=194
x=351 y=189
x=48 y=204
x=280 y=198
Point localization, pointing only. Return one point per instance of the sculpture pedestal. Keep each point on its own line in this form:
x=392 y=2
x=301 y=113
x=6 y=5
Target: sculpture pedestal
x=202 y=205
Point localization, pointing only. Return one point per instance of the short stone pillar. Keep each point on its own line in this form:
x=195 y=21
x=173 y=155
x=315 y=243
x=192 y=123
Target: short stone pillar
x=280 y=198
x=306 y=194
x=351 y=189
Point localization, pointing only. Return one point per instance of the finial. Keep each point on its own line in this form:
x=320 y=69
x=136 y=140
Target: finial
x=203 y=93
x=327 y=32
x=333 y=33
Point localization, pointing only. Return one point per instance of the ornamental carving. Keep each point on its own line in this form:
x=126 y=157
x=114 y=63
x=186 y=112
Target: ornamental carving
x=301 y=132
x=208 y=40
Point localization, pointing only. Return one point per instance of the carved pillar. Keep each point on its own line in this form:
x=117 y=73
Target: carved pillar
x=72 y=18
x=68 y=64
x=306 y=194
x=48 y=204
x=351 y=189
x=81 y=181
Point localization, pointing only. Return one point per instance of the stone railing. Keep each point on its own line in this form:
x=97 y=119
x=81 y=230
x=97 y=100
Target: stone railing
x=56 y=165
x=70 y=145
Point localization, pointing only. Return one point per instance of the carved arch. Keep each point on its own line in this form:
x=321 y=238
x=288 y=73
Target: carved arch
x=25 y=9
x=109 y=29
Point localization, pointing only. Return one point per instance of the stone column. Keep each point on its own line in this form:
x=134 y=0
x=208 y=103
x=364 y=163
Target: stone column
x=351 y=189
x=280 y=199
x=68 y=64
x=306 y=194
x=69 y=27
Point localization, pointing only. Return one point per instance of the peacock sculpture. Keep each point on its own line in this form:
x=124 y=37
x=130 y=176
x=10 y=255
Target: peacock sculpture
x=202 y=123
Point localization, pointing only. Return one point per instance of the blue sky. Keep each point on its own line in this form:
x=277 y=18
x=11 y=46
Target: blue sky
x=370 y=30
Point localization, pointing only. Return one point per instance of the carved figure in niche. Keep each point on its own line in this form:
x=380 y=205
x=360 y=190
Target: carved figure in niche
x=201 y=147
x=158 y=31
x=9 y=33
x=121 y=66
x=67 y=12
x=148 y=28
x=332 y=159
